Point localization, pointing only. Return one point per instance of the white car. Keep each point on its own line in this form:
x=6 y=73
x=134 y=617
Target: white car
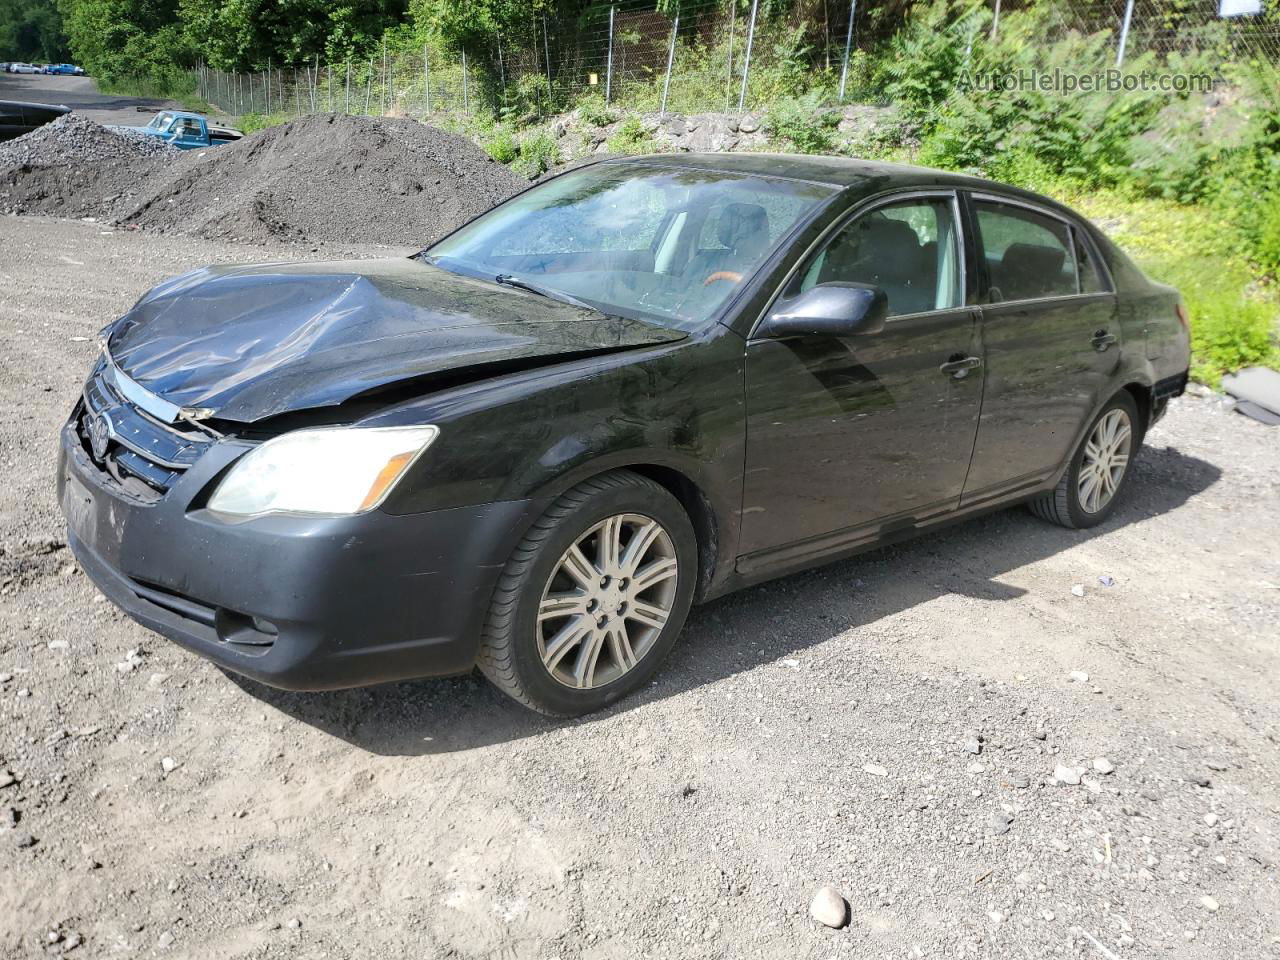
x=23 y=68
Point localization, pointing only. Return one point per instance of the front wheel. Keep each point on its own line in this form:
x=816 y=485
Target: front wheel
x=1097 y=474
x=593 y=597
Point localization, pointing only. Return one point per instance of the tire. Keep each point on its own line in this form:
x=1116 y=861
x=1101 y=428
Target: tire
x=1071 y=503
x=543 y=599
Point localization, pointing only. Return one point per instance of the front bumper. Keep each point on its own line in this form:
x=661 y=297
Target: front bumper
x=302 y=603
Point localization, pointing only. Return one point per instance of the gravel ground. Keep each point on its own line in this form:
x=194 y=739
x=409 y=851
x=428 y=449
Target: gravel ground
x=889 y=726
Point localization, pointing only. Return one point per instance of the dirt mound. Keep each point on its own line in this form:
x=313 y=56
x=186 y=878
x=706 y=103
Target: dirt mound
x=327 y=178
x=74 y=167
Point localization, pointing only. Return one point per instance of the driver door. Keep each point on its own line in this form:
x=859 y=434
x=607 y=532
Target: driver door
x=850 y=438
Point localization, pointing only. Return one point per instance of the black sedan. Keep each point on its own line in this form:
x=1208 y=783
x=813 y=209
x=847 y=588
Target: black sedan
x=641 y=384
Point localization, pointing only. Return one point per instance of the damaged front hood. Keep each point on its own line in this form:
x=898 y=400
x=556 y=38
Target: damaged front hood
x=248 y=343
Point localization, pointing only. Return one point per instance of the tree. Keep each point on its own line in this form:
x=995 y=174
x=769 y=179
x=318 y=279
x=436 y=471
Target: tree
x=32 y=30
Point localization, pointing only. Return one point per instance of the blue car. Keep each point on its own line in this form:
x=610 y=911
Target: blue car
x=64 y=69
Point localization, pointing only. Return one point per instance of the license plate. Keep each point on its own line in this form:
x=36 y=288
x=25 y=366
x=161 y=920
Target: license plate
x=80 y=510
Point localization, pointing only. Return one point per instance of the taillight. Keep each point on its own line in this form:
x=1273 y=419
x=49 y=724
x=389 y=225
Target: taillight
x=1183 y=317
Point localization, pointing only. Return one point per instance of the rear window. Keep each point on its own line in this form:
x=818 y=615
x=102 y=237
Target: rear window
x=1028 y=255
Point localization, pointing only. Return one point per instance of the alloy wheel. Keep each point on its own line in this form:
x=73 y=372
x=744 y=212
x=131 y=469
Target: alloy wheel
x=607 y=601
x=1106 y=458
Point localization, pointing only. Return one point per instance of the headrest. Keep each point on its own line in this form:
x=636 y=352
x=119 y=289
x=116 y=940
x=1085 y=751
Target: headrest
x=1032 y=258
x=742 y=223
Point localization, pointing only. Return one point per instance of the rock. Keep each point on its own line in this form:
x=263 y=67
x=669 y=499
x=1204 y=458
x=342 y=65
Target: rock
x=1209 y=904
x=168 y=764
x=11 y=817
x=1068 y=775
x=1107 y=580
x=165 y=941
x=1040 y=734
x=1199 y=390
x=1103 y=766
x=558 y=129
x=748 y=124
x=1077 y=590
x=1001 y=823
x=7 y=779
x=973 y=745
x=829 y=908
x=5 y=677
x=977 y=768
x=73 y=940
x=295 y=924
x=1019 y=782
x=24 y=693
x=1079 y=676
x=25 y=840
x=1211 y=819
x=875 y=770
x=58 y=645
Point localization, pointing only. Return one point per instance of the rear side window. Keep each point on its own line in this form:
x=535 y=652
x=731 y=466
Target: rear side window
x=1091 y=279
x=1028 y=255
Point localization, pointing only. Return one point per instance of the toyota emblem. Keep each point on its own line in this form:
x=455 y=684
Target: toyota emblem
x=99 y=434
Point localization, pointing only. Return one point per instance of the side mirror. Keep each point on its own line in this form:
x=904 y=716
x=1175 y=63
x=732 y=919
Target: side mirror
x=830 y=310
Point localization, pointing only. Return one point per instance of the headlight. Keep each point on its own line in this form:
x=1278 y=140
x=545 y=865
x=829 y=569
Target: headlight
x=331 y=471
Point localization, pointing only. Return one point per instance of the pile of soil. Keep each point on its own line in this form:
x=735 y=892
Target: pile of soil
x=74 y=167
x=327 y=177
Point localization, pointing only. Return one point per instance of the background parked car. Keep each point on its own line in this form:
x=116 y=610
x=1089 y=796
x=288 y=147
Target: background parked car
x=17 y=118
x=23 y=68
x=64 y=69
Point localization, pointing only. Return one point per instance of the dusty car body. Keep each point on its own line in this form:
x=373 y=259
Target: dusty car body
x=18 y=118
x=586 y=471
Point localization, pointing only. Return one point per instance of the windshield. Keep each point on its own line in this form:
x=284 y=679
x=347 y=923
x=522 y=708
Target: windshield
x=160 y=121
x=666 y=244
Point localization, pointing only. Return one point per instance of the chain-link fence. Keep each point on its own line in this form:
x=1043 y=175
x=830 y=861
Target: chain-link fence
x=713 y=55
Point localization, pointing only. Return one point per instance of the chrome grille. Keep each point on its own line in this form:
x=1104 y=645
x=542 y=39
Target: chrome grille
x=144 y=456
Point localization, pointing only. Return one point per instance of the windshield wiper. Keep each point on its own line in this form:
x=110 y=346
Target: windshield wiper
x=507 y=280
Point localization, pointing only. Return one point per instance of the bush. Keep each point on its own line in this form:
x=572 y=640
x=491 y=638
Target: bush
x=539 y=152
x=803 y=124
x=592 y=110
x=501 y=144
x=630 y=136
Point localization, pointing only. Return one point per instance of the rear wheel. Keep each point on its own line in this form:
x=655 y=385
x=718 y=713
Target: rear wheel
x=593 y=597
x=1096 y=476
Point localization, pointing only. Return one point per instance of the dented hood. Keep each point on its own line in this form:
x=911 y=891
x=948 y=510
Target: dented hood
x=251 y=342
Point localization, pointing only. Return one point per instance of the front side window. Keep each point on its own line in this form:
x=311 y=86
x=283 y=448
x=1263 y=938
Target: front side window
x=1028 y=255
x=909 y=249
x=667 y=244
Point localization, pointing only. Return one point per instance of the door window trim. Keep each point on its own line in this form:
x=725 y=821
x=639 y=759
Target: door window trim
x=870 y=205
x=1074 y=230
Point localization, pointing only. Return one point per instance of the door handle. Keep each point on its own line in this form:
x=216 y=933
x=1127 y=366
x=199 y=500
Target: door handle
x=1102 y=340
x=959 y=365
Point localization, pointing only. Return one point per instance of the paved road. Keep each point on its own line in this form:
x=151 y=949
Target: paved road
x=81 y=95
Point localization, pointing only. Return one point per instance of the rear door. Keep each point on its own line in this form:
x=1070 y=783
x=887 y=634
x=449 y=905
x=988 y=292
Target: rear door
x=1050 y=337
x=12 y=123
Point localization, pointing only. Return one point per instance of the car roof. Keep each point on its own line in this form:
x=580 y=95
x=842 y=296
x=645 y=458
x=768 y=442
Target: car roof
x=42 y=106
x=183 y=115
x=862 y=177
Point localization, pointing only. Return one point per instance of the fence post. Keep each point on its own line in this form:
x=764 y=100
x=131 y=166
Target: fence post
x=426 y=75
x=315 y=81
x=848 y=46
x=671 y=58
x=546 y=58
x=608 y=64
x=1124 y=32
x=382 y=94
x=995 y=21
x=347 y=105
x=728 y=69
x=746 y=63
x=368 y=87
x=466 y=97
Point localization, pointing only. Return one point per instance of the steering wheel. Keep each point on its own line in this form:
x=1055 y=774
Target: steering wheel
x=722 y=275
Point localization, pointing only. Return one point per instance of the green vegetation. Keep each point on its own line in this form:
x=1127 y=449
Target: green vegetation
x=631 y=137
x=802 y=125
x=32 y=30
